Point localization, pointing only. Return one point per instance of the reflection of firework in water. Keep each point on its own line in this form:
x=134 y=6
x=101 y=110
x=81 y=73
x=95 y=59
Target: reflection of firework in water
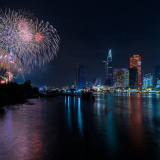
x=28 y=41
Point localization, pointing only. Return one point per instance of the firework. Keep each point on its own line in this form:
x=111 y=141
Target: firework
x=9 y=62
x=15 y=33
x=45 y=42
x=30 y=42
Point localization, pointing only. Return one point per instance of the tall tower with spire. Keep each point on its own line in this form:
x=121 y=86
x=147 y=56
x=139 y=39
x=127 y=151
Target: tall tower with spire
x=109 y=69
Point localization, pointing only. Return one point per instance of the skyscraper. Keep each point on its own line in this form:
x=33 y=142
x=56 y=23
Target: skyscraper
x=133 y=77
x=80 y=76
x=109 y=69
x=135 y=61
x=121 y=77
x=148 y=81
x=98 y=81
x=157 y=76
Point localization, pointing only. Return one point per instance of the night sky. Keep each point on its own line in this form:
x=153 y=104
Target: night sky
x=88 y=29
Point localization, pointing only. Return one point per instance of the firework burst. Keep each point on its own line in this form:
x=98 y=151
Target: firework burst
x=30 y=42
x=45 y=42
x=9 y=62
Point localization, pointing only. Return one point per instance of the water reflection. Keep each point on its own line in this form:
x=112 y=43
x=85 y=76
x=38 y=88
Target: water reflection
x=69 y=113
x=97 y=104
x=111 y=134
x=133 y=112
x=80 y=125
x=19 y=136
x=135 y=121
x=75 y=110
x=74 y=102
x=109 y=126
x=104 y=105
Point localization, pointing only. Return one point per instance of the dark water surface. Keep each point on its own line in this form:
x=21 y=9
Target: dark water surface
x=113 y=126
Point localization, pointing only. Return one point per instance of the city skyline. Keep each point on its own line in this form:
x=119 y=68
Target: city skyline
x=105 y=73
x=89 y=29
x=135 y=63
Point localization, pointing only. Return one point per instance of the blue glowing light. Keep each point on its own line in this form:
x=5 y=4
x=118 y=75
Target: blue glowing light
x=69 y=113
x=80 y=125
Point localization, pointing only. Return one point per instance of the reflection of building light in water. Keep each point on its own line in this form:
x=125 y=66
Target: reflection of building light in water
x=98 y=104
x=65 y=101
x=129 y=94
x=136 y=122
x=74 y=102
x=101 y=103
x=69 y=112
x=80 y=117
x=139 y=94
x=111 y=133
x=151 y=113
x=104 y=103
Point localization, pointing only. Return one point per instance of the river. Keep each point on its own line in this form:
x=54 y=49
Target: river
x=113 y=126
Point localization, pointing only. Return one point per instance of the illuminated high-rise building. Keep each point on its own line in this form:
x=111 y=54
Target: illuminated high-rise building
x=80 y=76
x=109 y=69
x=98 y=81
x=135 y=61
x=157 y=76
x=148 y=81
x=121 y=77
x=133 y=77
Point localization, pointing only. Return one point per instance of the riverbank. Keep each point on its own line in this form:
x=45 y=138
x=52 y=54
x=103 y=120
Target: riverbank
x=14 y=93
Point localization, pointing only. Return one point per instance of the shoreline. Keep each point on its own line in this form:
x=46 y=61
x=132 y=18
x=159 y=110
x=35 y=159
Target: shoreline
x=14 y=93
